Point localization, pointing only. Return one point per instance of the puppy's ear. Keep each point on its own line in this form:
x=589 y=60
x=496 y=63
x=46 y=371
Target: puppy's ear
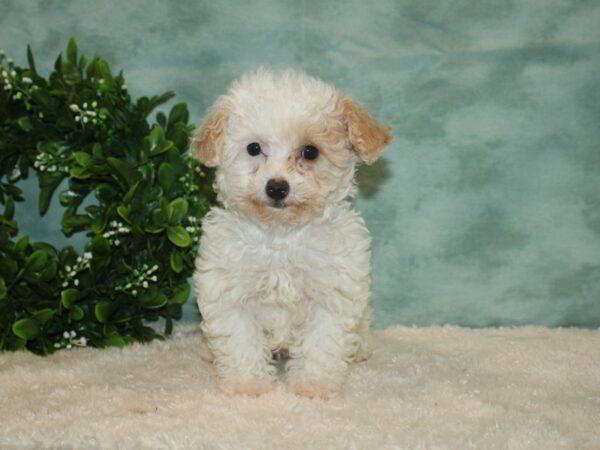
x=208 y=139
x=367 y=136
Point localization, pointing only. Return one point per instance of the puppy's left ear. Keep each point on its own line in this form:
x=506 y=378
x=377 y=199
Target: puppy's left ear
x=367 y=136
x=208 y=139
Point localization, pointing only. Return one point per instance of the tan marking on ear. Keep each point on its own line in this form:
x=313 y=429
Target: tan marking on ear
x=208 y=140
x=367 y=136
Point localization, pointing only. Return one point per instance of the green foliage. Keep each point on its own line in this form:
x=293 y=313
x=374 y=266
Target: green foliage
x=147 y=195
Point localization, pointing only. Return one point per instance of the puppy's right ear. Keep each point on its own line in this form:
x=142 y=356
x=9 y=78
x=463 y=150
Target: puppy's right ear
x=208 y=139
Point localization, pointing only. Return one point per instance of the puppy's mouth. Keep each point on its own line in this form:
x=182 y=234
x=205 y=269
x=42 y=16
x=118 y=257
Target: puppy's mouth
x=277 y=204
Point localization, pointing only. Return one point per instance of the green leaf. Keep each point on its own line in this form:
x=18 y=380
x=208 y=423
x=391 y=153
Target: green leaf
x=124 y=212
x=68 y=297
x=105 y=192
x=99 y=247
x=179 y=236
x=176 y=262
x=76 y=313
x=162 y=147
x=72 y=51
x=106 y=74
x=166 y=176
x=181 y=293
x=36 y=261
x=50 y=271
x=74 y=222
x=3 y=290
x=25 y=123
x=81 y=173
x=179 y=113
x=153 y=300
x=97 y=151
x=83 y=159
x=125 y=172
x=180 y=209
x=175 y=310
x=48 y=184
x=9 y=208
x=31 y=61
x=156 y=136
x=26 y=329
x=43 y=315
x=159 y=100
x=114 y=340
x=21 y=244
x=103 y=310
x=131 y=192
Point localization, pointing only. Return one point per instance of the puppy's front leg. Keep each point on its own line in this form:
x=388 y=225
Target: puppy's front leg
x=319 y=359
x=241 y=358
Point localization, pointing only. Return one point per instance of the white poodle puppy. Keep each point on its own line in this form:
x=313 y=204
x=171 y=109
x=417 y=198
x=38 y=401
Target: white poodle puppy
x=284 y=265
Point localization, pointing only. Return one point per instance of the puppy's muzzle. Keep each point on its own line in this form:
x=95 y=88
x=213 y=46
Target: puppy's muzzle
x=277 y=189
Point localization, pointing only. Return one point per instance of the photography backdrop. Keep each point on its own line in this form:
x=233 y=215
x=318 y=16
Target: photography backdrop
x=485 y=210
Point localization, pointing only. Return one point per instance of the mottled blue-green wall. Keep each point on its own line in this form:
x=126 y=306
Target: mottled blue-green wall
x=485 y=210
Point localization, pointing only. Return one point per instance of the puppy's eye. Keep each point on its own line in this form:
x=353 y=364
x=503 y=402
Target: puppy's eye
x=253 y=149
x=309 y=152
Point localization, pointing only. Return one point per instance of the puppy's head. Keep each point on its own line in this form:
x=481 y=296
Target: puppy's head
x=285 y=145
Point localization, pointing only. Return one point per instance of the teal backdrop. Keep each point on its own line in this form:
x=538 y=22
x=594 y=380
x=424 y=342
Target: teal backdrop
x=485 y=211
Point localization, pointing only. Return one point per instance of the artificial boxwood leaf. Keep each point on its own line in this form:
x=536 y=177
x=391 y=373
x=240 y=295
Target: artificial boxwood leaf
x=25 y=123
x=68 y=297
x=31 y=61
x=181 y=293
x=153 y=300
x=114 y=340
x=99 y=246
x=72 y=51
x=9 y=208
x=48 y=184
x=179 y=236
x=175 y=310
x=156 y=136
x=124 y=212
x=179 y=113
x=97 y=151
x=74 y=222
x=131 y=192
x=3 y=290
x=176 y=262
x=26 y=329
x=127 y=173
x=44 y=315
x=103 y=310
x=162 y=147
x=50 y=271
x=83 y=159
x=105 y=192
x=36 y=261
x=76 y=313
x=166 y=176
x=21 y=244
x=81 y=173
x=180 y=209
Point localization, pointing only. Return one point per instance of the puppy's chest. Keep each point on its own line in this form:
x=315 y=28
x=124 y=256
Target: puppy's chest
x=283 y=270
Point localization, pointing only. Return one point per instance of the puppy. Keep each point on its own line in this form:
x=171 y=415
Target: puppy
x=284 y=265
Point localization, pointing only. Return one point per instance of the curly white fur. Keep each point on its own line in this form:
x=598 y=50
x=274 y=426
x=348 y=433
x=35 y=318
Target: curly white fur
x=294 y=275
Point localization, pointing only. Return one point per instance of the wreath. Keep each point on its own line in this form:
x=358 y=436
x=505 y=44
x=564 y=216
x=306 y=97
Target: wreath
x=145 y=197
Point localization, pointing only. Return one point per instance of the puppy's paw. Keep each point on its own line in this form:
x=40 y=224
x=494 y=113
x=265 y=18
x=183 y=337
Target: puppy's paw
x=254 y=387
x=315 y=389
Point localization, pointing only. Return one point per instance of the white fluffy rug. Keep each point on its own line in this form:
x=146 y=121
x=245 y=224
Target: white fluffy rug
x=441 y=387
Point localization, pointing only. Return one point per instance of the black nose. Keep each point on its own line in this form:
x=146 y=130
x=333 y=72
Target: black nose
x=277 y=189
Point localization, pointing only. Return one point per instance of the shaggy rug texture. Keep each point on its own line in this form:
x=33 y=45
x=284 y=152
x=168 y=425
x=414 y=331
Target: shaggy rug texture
x=440 y=387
